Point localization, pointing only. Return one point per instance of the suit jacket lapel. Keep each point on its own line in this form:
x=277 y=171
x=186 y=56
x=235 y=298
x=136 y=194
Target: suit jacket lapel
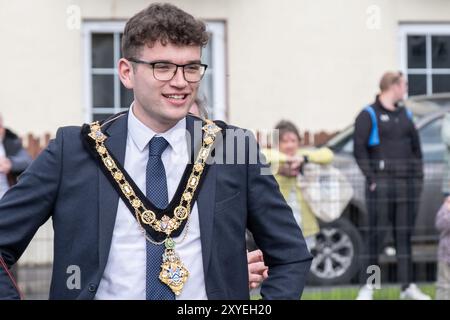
x=205 y=203
x=207 y=195
x=108 y=197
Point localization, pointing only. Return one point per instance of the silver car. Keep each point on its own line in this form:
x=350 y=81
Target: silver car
x=339 y=244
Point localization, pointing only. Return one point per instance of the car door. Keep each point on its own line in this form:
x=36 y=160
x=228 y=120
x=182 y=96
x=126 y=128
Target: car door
x=433 y=155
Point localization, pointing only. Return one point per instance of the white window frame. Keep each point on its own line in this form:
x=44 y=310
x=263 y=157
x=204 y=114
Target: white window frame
x=427 y=30
x=218 y=68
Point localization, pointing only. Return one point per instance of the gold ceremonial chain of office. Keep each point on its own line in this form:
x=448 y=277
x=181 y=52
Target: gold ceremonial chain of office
x=173 y=273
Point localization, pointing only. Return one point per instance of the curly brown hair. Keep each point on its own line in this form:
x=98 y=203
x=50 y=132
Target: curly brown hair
x=165 y=23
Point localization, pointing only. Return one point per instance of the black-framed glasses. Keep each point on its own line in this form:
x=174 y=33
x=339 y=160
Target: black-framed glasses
x=165 y=71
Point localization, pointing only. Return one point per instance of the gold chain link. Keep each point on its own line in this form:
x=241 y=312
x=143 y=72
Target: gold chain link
x=181 y=212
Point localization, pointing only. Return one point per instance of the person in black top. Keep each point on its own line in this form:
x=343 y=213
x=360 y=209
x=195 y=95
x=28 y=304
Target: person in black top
x=14 y=159
x=387 y=150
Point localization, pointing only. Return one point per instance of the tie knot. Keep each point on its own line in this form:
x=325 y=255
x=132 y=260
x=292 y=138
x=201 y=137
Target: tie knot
x=157 y=145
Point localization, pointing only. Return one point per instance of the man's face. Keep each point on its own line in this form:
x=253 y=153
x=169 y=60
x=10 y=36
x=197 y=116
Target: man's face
x=194 y=109
x=163 y=102
x=401 y=88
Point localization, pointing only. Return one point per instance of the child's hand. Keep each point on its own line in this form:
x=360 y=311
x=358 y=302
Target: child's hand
x=291 y=168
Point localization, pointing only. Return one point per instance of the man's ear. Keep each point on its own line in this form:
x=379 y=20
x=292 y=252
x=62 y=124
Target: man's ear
x=126 y=73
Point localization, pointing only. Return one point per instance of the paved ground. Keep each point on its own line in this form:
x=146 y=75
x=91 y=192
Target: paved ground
x=34 y=281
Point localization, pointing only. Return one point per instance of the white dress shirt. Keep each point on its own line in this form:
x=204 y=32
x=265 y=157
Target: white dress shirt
x=124 y=276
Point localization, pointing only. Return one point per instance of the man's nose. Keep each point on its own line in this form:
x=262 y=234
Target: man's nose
x=178 y=79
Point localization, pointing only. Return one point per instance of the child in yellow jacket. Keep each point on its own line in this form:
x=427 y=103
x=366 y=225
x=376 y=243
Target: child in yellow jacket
x=286 y=162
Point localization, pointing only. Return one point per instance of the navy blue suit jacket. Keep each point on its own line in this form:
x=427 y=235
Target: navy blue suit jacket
x=64 y=183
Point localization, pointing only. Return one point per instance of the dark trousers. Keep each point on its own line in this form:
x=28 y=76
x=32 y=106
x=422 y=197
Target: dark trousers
x=392 y=207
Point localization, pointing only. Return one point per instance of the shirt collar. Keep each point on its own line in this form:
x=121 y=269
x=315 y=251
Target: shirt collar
x=379 y=104
x=141 y=134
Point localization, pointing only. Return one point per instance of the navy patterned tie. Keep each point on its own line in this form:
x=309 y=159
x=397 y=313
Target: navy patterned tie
x=157 y=193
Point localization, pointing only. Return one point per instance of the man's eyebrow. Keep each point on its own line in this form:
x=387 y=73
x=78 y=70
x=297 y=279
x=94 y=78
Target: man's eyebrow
x=168 y=61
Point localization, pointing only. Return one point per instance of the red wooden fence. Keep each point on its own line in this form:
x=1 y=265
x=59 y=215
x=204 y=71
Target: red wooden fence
x=35 y=145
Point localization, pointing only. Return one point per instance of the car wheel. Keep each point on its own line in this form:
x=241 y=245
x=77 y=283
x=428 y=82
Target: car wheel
x=336 y=253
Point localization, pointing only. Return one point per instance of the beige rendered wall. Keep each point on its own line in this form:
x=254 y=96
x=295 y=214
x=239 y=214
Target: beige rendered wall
x=313 y=61
x=40 y=87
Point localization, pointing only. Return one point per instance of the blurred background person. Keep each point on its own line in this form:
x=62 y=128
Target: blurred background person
x=290 y=159
x=13 y=158
x=443 y=277
x=442 y=221
x=387 y=150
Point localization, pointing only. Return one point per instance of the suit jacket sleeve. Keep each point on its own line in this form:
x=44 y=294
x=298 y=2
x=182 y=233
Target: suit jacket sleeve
x=25 y=207
x=417 y=151
x=275 y=231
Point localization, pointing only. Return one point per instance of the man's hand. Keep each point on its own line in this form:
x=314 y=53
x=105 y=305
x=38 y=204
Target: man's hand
x=372 y=186
x=5 y=165
x=257 y=270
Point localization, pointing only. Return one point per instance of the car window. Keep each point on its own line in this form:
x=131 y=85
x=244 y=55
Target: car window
x=347 y=147
x=430 y=137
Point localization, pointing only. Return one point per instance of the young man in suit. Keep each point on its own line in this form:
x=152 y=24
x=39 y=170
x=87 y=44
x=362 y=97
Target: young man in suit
x=14 y=159
x=387 y=150
x=142 y=205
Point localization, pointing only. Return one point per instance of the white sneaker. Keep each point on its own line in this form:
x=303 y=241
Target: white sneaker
x=365 y=293
x=413 y=293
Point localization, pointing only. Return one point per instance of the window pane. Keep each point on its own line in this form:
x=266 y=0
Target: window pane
x=417 y=84
x=120 y=45
x=126 y=96
x=101 y=116
x=430 y=138
x=416 y=52
x=441 y=51
x=103 y=91
x=102 y=50
x=441 y=83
